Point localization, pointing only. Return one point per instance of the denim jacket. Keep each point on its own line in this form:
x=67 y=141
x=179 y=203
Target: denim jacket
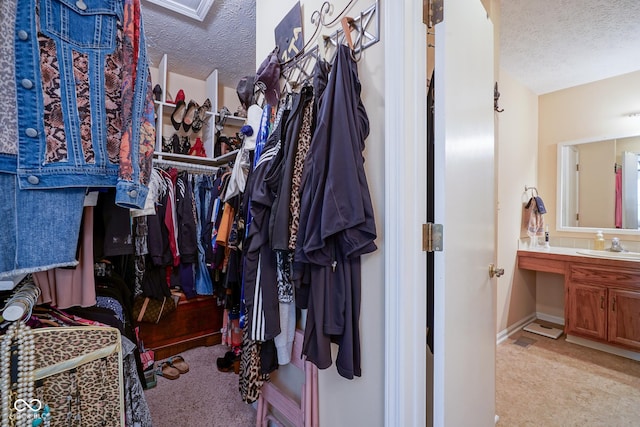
x=83 y=96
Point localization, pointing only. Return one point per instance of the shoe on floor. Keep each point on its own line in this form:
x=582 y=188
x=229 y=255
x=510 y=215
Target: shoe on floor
x=179 y=363
x=164 y=369
x=225 y=364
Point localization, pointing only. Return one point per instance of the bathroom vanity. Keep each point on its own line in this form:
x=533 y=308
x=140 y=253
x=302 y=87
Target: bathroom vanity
x=602 y=292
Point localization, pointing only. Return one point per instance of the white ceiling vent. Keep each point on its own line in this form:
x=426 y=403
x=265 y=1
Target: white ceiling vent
x=196 y=9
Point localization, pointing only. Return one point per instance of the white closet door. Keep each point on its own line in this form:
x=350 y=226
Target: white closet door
x=465 y=332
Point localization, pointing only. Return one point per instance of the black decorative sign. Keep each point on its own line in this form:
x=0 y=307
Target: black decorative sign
x=289 y=35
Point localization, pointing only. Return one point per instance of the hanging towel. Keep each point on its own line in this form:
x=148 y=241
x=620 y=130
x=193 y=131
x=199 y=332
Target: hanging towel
x=540 y=205
x=532 y=219
x=618 y=212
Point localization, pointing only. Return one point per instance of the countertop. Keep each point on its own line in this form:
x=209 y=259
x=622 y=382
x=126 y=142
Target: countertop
x=554 y=259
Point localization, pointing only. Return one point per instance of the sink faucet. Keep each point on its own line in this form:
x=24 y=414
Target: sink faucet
x=615 y=245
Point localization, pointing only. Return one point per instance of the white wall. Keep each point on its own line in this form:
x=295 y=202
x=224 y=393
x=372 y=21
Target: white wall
x=517 y=164
x=359 y=402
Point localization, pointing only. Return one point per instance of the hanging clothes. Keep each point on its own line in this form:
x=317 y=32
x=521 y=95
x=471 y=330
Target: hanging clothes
x=204 y=207
x=67 y=287
x=260 y=276
x=77 y=128
x=337 y=224
x=282 y=174
x=65 y=125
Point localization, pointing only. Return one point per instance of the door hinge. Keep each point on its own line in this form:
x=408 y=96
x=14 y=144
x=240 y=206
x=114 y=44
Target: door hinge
x=577 y=217
x=432 y=12
x=431 y=237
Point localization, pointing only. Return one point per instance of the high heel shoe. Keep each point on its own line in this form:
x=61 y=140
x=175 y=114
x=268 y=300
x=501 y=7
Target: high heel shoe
x=167 y=144
x=157 y=93
x=178 y=114
x=200 y=115
x=180 y=95
x=189 y=115
x=185 y=145
x=175 y=144
x=197 y=149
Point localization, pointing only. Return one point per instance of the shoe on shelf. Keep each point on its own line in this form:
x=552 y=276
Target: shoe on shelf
x=197 y=149
x=180 y=96
x=185 y=145
x=175 y=144
x=200 y=116
x=167 y=144
x=157 y=93
x=178 y=114
x=189 y=115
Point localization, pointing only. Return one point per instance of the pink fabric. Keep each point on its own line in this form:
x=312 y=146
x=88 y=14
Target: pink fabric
x=303 y=413
x=69 y=287
x=618 y=198
x=171 y=218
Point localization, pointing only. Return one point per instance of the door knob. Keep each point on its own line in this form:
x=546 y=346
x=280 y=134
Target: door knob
x=493 y=271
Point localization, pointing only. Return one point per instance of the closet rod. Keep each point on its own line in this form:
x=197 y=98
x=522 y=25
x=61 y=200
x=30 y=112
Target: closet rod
x=21 y=303
x=189 y=167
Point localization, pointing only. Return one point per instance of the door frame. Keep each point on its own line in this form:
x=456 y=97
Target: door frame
x=405 y=212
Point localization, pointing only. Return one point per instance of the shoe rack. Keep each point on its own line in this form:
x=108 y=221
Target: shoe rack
x=207 y=134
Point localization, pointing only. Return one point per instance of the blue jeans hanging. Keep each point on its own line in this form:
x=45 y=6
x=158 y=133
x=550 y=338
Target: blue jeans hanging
x=204 y=285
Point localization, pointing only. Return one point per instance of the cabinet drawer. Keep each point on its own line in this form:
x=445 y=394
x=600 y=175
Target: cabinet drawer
x=541 y=264
x=604 y=275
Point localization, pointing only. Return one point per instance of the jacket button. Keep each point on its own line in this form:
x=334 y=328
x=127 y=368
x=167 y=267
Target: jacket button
x=81 y=5
x=23 y=35
x=32 y=179
x=133 y=194
x=31 y=132
x=26 y=83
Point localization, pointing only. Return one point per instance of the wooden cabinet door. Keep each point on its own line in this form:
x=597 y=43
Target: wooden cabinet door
x=587 y=311
x=624 y=317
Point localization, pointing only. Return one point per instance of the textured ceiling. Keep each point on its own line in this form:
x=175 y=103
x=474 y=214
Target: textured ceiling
x=225 y=40
x=545 y=44
x=554 y=44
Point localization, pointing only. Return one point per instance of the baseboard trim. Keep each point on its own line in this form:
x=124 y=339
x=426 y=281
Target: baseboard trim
x=506 y=333
x=549 y=318
x=604 y=347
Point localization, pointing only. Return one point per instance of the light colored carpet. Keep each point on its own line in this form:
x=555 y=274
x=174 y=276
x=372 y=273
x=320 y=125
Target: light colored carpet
x=555 y=383
x=203 y=396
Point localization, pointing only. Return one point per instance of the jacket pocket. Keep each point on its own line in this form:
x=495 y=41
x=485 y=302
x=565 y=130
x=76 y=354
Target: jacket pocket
x=83 y=24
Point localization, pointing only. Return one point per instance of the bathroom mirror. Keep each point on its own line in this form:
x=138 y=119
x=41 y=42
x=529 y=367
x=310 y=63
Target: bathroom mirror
x=598 y=184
